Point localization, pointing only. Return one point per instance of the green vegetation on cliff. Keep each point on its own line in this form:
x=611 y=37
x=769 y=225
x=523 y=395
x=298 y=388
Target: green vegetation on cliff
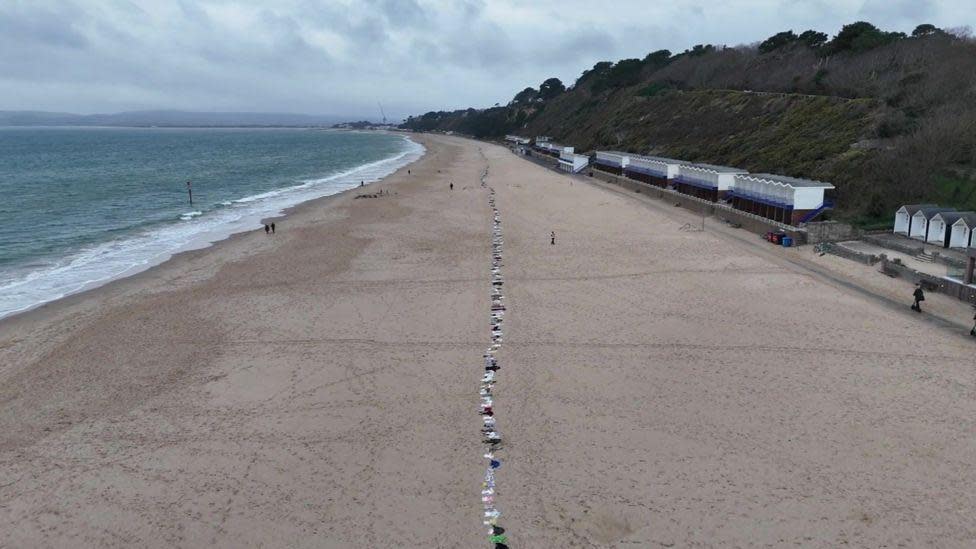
x=887 y=118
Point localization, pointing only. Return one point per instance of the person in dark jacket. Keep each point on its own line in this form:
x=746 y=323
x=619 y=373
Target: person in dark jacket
x=919 y=298
x=973 y=331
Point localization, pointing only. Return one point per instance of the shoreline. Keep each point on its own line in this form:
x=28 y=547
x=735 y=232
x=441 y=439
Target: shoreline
x=202 y=243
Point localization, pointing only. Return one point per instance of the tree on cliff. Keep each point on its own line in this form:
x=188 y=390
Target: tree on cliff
x=657 y=59
x=926 y=29
x=810 y=38
x=813 y=38
x=526 y=96
x=861 y=36
x=551 y=88
x=777 y=41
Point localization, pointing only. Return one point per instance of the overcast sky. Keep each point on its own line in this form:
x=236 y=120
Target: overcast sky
x=342 y=57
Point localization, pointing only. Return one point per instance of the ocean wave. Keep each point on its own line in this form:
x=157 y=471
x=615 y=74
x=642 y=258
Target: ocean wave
x=98 y=264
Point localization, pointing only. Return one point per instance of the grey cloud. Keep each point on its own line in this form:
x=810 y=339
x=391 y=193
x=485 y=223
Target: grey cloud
x=41 y=26
x=343 y=55
x=401 y=13
x=893 y=10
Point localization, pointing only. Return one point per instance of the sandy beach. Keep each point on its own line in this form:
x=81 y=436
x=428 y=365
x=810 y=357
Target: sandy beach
x=318 y=387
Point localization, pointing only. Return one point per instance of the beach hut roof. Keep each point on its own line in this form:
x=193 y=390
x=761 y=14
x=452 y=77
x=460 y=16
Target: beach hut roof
x=794 y=182
x=968 y=219
x=950 y=218
x=912 y=208
x=714 y=168
x=929 y=212
x=660 y=159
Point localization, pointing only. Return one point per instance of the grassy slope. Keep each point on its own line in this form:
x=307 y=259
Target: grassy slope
x=798 y=135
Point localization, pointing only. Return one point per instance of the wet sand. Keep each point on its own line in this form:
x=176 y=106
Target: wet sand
x=318 y=388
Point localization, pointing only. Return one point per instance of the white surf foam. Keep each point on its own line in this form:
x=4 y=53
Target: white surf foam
x=99 y=264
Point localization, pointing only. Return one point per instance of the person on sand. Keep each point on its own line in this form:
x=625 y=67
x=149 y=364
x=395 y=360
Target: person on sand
x=272 y=228
x=973 y=331
x=919 y=298
x=361 y=183
x=452 y=186
x=267 y=229
x=552 y=238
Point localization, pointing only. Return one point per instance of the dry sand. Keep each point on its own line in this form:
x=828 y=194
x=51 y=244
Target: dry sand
x=318 y=388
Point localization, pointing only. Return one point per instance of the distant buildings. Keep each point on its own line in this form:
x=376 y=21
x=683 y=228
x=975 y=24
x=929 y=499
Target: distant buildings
x=551 y=149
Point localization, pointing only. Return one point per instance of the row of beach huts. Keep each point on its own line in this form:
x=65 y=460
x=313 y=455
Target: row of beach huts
x=936 y=225
x=786 y=200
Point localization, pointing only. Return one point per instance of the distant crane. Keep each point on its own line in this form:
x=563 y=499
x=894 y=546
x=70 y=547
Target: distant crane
x=381 y=112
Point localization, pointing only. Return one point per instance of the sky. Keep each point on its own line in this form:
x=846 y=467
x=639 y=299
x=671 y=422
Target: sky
x=346 y=57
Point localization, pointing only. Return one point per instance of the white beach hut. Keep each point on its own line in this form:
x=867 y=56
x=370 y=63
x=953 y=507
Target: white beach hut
x=903 y=217
x=788 y=200
x=940 y=227
x=961 y=233
x=612 y=161
x=919 y=228
x=654 y=170
x=705 y=180
x=571 y=162
x=553 y=149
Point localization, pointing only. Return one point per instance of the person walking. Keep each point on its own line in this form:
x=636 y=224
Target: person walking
x=973 y=331
x=919 y=298
x=272 y=228
x=267 y=229
x=452 y=186
x=552 y=238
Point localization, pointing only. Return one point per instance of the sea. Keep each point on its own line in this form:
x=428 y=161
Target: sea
x=82 y=206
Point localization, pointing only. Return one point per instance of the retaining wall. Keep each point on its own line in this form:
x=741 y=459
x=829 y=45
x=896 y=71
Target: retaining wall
x=903 y=247
x=829 y=231
x=853 y=255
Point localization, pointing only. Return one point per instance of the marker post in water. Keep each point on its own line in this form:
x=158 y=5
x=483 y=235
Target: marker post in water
x=189 y=189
